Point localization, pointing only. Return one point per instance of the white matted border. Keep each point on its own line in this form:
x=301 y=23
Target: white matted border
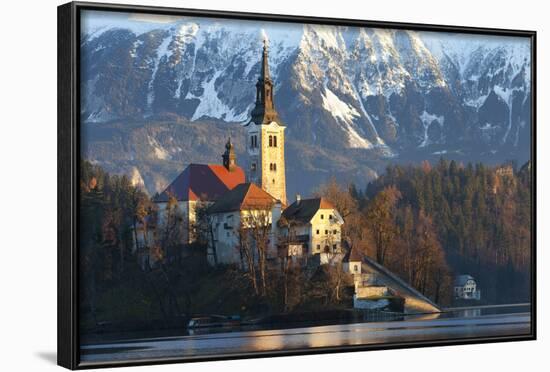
x=28 y=152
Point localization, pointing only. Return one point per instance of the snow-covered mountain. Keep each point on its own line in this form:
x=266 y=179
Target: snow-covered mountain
x=493 y=77
x=388 y=92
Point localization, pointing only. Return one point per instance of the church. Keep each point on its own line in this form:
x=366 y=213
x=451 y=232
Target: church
x=237 y=200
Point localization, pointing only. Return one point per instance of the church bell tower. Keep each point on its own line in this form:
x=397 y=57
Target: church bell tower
x=266 y=138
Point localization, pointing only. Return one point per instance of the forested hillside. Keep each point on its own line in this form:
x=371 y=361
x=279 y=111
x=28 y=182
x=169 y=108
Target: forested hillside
x=425 y=223
x=480 y=217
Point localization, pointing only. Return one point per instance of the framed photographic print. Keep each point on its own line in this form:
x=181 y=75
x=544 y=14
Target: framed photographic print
x=237 y=185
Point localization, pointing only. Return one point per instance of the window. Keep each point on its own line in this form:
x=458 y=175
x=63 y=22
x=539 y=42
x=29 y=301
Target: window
x=326 y=232
x=318 y=247
x=317 y=232
x=253 y=167
x=273 y=180
x=335 y=231
x=334 y=247
x=274 y=141
x=330 y=216
x=229 y=222
x=270 y=166
x=270 y=141
x=251 y=142
x=322 y=216
x=274 y=166
x=355 y=268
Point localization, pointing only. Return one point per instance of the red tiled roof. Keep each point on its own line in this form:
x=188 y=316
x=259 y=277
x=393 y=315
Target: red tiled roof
x=325 y=204
x=246 y=196
x=202 y=182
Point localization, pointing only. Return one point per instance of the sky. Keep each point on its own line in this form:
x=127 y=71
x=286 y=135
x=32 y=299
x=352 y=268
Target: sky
x=94 y=22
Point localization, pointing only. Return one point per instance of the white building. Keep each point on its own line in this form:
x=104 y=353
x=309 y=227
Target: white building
x=243 y=209
x=312 y=227
x=352 y=262
x=465 y=288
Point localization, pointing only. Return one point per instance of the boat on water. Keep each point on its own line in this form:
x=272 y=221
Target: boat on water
x=214 y=321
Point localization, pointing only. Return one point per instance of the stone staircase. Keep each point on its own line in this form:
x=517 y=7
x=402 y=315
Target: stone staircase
x=376 y=280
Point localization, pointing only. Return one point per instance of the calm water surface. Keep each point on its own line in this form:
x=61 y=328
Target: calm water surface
x=480 y=322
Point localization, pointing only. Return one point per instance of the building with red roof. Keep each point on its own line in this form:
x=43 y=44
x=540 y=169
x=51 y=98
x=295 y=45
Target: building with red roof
x=201 y=184
x=205 y=182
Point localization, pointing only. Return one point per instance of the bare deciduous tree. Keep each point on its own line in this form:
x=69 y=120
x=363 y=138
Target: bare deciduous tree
x=248 y=255
x=254 y=234
x=380 y=216
x=339 y=196
x=203 y=229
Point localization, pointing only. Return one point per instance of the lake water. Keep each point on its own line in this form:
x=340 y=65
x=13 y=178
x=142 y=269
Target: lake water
x=458 y=324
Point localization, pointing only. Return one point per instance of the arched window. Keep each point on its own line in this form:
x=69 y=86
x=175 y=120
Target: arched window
x=274 y=141
x=274 y=166
x=251 y=142
x=270 y=166
x=270 y=141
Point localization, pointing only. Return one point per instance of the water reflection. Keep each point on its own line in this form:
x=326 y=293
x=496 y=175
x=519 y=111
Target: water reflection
x=456 y=324
x=266 y=342
x=324 y=336
x=468 y=313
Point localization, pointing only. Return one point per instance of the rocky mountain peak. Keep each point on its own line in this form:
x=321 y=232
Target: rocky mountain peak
x=390 y=93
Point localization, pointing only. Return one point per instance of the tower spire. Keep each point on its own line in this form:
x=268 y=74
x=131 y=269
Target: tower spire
x=266 y=137
x=265 y=64
x=264 y=110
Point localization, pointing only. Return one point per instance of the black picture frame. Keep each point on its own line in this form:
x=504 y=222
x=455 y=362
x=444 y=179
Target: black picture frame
x=69 y=160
